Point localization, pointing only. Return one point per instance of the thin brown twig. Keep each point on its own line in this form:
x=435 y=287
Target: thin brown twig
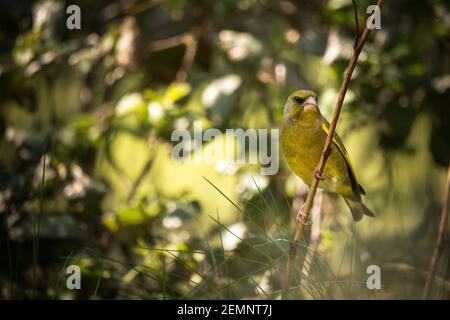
x=355 y=9
x=152 y=144
x=145 y=170
x=314 y=238
x=416 y=272
x=189 y=40
x=304 y=214
x=170 y=42
x=440 y=241
x=191 y=43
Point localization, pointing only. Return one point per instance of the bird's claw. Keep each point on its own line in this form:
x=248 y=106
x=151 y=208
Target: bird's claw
x=317 y=174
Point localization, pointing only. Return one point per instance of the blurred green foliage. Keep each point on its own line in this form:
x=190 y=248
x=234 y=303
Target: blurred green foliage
x=100 y=104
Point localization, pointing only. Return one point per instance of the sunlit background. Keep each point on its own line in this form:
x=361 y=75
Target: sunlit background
x=87 y=179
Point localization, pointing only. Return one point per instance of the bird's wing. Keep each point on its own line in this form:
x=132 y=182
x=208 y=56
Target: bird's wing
x=357 y=188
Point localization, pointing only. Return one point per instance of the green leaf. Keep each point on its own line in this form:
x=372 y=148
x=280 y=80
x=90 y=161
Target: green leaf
x=130 y=103
x=177 y=91
x=132 y=216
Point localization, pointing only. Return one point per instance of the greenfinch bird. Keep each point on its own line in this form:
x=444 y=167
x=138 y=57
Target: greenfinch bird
x=303 y=134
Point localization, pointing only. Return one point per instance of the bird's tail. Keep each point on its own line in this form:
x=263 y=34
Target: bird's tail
x=358 y=209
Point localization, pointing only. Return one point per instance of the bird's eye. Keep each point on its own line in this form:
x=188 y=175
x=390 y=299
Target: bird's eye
x=299 y=99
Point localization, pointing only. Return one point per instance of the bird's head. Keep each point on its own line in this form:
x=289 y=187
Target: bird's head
x=299 y=102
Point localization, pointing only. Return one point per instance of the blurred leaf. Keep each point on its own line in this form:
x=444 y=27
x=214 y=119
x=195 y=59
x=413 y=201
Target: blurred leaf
x=176 y=91
x=132 y=102
x=218 y=97
x=131 y=216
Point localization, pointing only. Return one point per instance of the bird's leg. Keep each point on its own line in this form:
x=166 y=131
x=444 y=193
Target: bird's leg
x=317 y=174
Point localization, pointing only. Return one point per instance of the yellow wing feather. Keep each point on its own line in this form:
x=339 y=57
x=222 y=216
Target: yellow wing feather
x=340 y=145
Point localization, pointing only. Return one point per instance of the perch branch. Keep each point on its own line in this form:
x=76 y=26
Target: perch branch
x=314 y=238
x=355 y=9
x=304 y=213
x=440 y=241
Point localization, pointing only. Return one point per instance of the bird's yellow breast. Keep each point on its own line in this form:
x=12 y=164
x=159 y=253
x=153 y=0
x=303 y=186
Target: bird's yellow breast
x=302 y=147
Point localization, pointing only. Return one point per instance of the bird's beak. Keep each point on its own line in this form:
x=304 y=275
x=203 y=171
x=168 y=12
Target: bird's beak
x=310 y=104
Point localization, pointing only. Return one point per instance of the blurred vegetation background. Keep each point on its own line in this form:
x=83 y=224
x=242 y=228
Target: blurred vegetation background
x=86 y=176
